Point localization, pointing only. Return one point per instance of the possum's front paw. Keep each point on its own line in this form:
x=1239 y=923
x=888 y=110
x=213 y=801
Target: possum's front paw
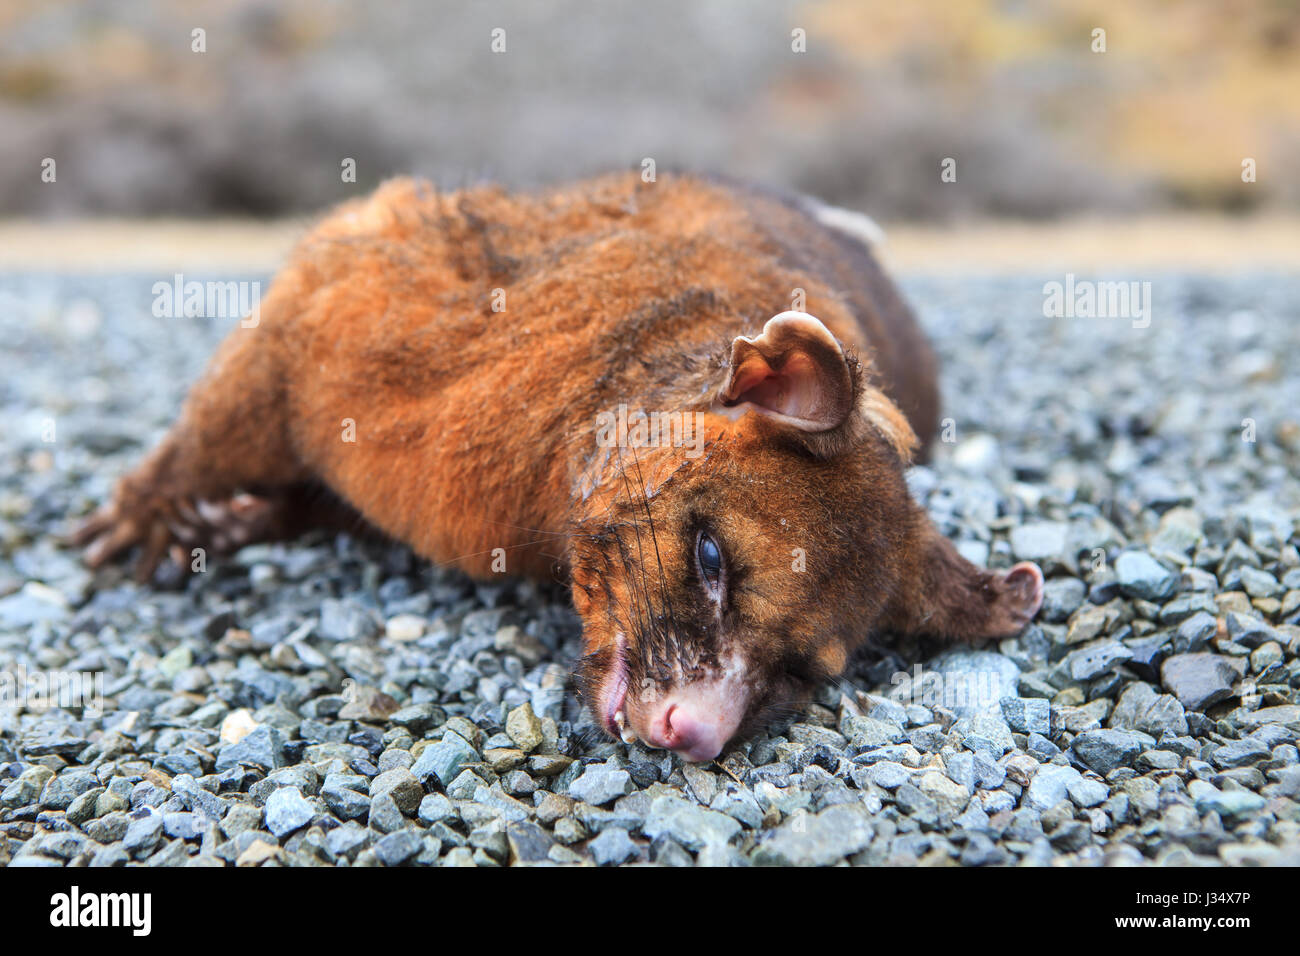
x=184 y=530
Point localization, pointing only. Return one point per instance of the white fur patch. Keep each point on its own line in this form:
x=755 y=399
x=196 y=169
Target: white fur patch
x=855 y=225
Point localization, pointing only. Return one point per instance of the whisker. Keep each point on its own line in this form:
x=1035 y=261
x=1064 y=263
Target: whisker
x=663 y=583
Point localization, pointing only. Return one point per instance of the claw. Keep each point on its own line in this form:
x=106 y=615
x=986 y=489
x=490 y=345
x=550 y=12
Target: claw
x=91 y=528
x=624 y=732
x=178 y=556
x=212 y=512
x=112 y=541
x=155 y=548
x=164 y=529
x=187 y=513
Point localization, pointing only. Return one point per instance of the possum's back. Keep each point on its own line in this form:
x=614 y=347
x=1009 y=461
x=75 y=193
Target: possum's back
x=421 y=285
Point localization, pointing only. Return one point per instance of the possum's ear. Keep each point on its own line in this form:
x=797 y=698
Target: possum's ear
x=795 y=373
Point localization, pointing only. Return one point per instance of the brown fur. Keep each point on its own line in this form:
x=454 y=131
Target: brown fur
x=475 y=429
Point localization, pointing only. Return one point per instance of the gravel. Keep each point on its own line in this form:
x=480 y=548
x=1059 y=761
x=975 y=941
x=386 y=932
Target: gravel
x=287 y=810
x=1199 y=680
x=613 y=846
x=331 y=702
x=600 y=784
x=1142 y=576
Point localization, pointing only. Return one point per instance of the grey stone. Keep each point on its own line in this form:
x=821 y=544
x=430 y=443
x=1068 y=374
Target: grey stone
x=346 y=803
x=1132 y=704
x=524 y=728
x=612 y=846
x=1088 y=793
x=888 y=774
x=949 y=795
x=974 y=681
x=1050 y=785
x=989 y=774
x=263 y=749
x=867 y=732
x=66 y=787
x=1090 y=662
x=1103 y=750
x=986 y=734
x=916 y=804
x=402 y=786
x=396 y=848
x=528 y=842
x=817 y=840
x=384 y=815
x=1198 y=680
x=143 y=834
x=417 y=718
x=1250 y=631
x=1164 y=715
x=1228 y=804
x=1259 y=584
x=1148 y=653
x=444 y=760
x=436 y=808
x=32 y=605
x=82 y=808
x=65 y=844
x=960 y=768
x=1041 y=541
x=692 y=826
x=287 y=810
x=184 y=825
x=1061 y=598
x=347 y=621
x=1027 y=714
x=347 y=841
x=1240 y=753
x=739 y=803
x=601 y=784
x=974 y=818
x=1195 y=632
x=1142 y=576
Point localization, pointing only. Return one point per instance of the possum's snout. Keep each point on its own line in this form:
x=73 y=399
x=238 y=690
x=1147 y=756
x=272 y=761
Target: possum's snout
x=695 y=720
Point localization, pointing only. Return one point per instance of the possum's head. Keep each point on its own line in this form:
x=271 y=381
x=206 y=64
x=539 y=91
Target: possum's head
x=725 y=568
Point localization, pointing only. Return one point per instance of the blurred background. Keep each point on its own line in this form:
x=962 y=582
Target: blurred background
x=1166 y=161
x=1041 y=125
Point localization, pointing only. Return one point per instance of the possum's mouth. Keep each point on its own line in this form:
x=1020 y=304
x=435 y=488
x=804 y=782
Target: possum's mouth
x=695 y=720
x=612 y=712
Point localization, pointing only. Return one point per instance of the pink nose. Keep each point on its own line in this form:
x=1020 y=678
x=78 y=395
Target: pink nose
x=680 y=730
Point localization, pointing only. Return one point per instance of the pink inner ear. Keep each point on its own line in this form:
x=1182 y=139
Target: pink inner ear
x=794 y=391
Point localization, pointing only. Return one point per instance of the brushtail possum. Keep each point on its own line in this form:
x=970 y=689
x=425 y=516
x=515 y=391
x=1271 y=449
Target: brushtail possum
x=694 y=399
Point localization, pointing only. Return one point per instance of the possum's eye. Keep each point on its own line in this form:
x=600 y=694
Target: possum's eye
x=709 y=558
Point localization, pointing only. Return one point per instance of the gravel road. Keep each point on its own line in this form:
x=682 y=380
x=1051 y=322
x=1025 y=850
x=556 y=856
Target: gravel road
x=340 y=703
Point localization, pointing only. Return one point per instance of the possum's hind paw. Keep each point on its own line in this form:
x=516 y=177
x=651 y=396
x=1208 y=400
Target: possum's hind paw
x=174 y=529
